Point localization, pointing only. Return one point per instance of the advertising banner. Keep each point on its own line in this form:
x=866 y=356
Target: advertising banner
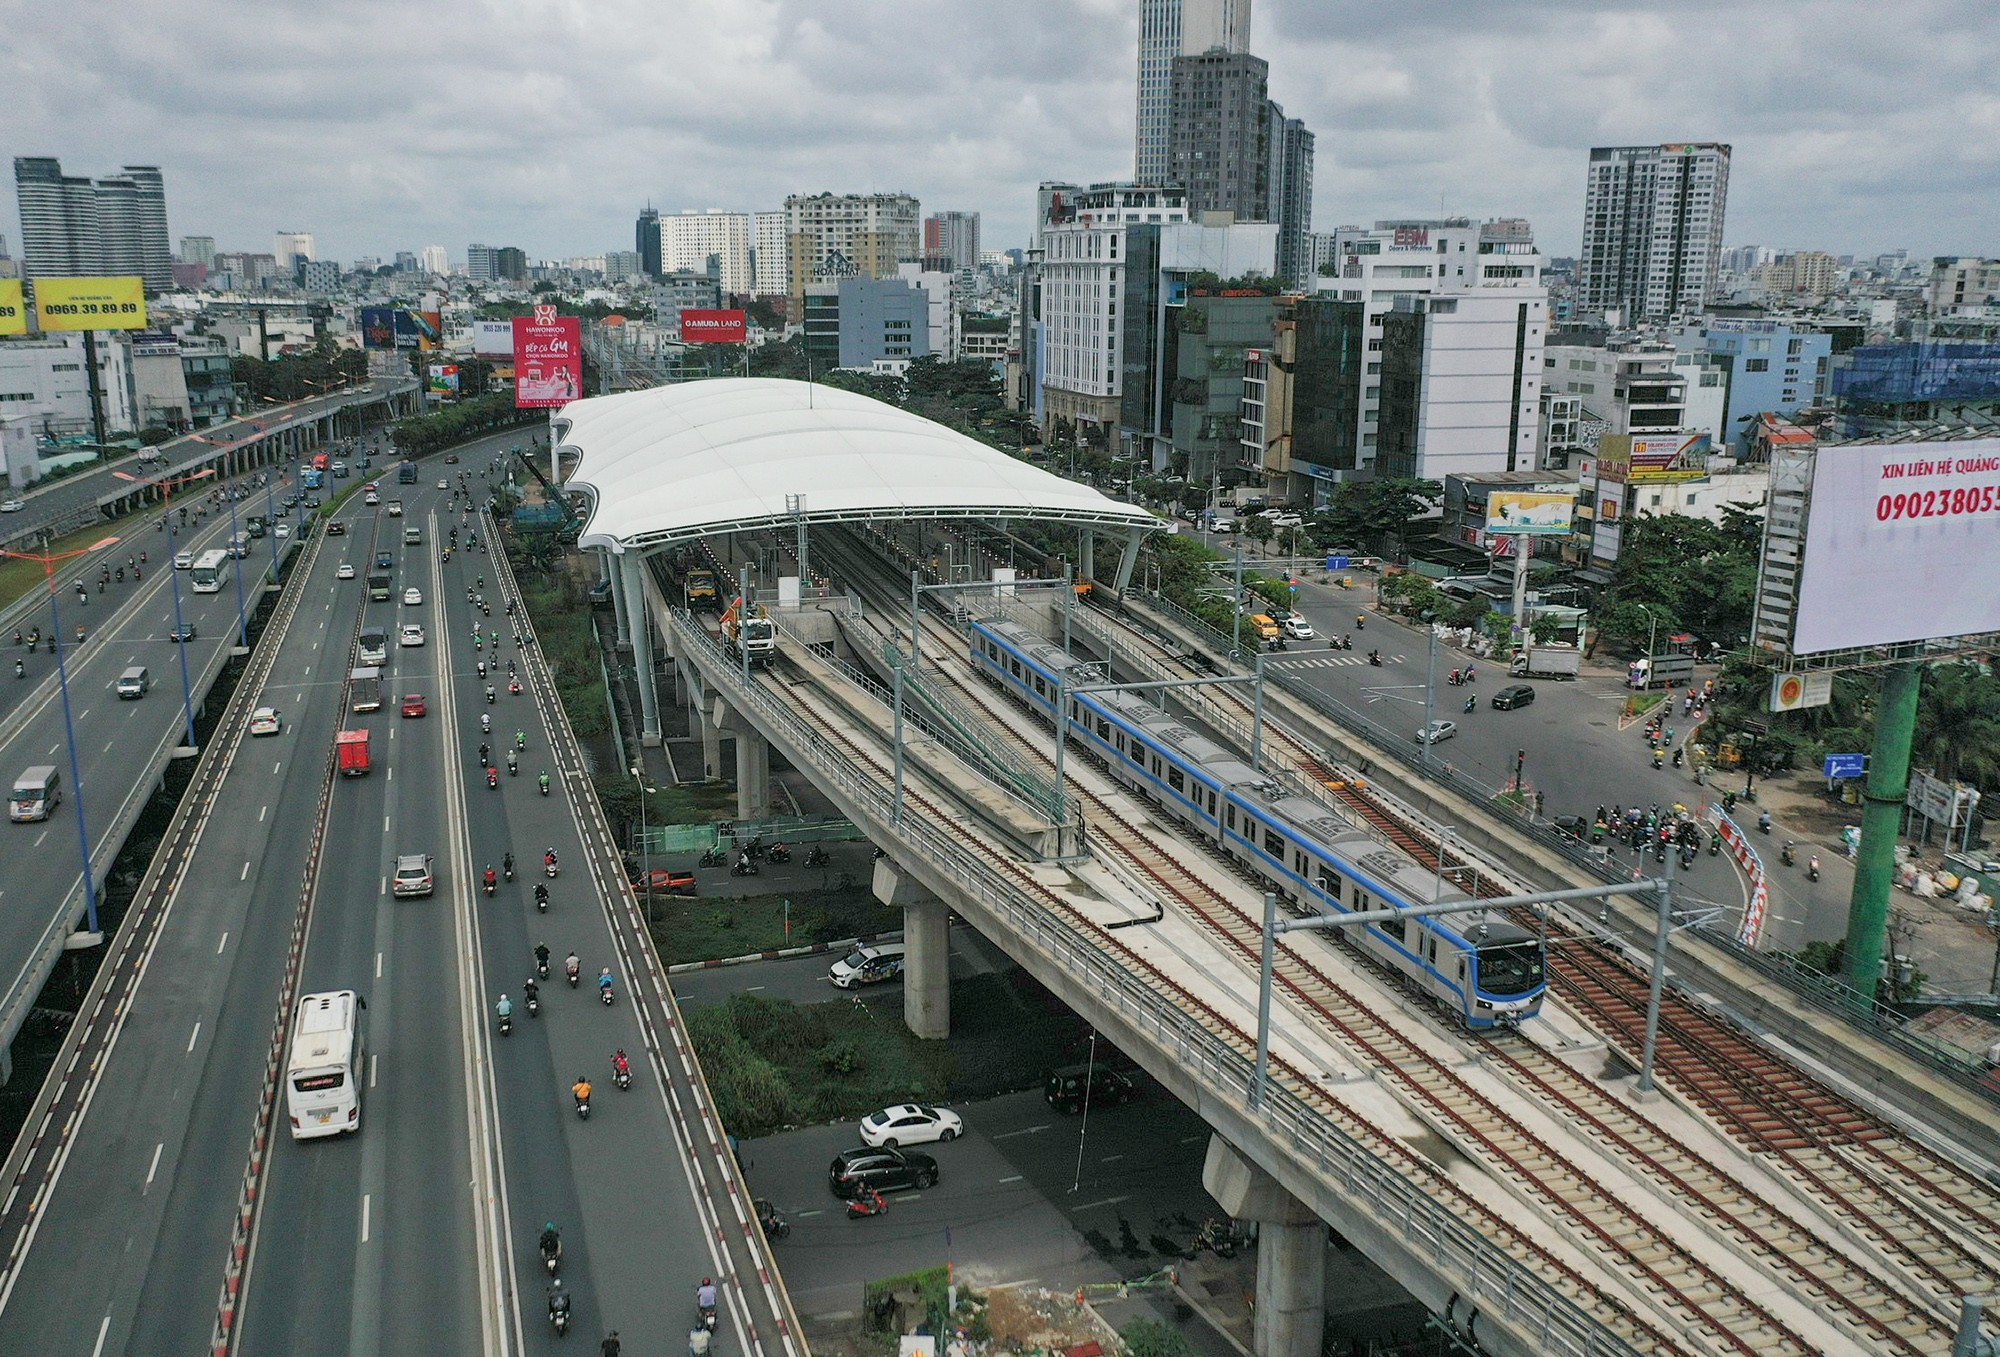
x=1512 y=511
x=493 y=339
x=1652 y=459
x=548 y=359
x=90 y=303
x=13 y=308
x=443 y=379
x=1902 y=544
x=712 y=327
x=378 y=327
x=428 y=327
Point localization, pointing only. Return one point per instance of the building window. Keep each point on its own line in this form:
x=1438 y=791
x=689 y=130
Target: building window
x=1756 y=365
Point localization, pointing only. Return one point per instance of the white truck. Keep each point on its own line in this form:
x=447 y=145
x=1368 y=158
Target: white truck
x=1548 y=661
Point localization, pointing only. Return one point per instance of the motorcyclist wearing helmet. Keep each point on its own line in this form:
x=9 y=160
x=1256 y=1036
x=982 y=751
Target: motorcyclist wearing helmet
x=704 y=1295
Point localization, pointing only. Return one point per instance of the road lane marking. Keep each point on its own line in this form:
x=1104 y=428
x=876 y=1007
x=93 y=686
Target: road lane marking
x=816 y=1211
x=1189 y=1140
x=374 y=1062
x=378 y=965
x=1013 y=1179
x=1024 y=1131
x=193 y=1037
x=244 y=875
x=223 y=943
x=102 y=1330
x=108 y=744
x=41 y=836
x=1110 y=1158
x=752 y=989
x=385 y=824
x=1092 y=1206
x=154 y=1167
x=366 y=1199
x=276 y=766
x=261 y=812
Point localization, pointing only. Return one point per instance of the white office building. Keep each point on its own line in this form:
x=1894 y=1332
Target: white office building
x=1450 y=256
x=689 y=241
x=433 y=260
x=45 y=379
x=768 y=253
x=289 y=247
x=939 y=307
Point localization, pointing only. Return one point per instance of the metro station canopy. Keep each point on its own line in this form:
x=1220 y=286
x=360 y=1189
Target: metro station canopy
x=673 y=463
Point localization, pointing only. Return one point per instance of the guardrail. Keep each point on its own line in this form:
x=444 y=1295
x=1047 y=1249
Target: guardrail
x=1488 y=1277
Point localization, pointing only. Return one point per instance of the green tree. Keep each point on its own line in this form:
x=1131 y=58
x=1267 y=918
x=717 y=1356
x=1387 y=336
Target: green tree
x=1958 y=725
x=1375 y=514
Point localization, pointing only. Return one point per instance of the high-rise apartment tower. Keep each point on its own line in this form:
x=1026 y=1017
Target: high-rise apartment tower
x=1219 y=134
x=1652 y=228
x=1169 y=29
x=73 y=226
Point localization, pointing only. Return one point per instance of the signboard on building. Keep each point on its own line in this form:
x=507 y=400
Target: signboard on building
x=492 y=339
x=1652 y=459
x=712 y=327
x=90 y=303
x=548 y=359
x=1902 y=544
x=385 y=327
x=1529 y=511
x=443 y=379
x=1412 y=238
x=13 y=308
x=1794 y=692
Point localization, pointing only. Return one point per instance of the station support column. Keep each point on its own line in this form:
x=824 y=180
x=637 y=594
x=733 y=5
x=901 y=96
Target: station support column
x=926 y=950
x=1291 y=1252
x=609 y=571
x=632 y=573
x=753 y=774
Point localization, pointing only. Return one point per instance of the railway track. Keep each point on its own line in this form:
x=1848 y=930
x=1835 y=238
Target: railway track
x=1616 y=1316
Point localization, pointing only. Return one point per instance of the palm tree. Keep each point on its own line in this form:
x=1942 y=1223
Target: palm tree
x=1958 y=725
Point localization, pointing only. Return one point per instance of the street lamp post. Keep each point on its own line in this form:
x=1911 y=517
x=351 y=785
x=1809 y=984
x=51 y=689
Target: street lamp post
x=166 y=487
x=645 y=847
x=48 y=563
x=242 y=617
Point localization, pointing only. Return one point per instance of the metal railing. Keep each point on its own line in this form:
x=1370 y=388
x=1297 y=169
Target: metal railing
x=1431 y=1230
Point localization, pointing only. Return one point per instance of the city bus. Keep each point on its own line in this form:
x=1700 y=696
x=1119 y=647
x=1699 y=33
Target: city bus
x=323 y=1073
x=211 y=570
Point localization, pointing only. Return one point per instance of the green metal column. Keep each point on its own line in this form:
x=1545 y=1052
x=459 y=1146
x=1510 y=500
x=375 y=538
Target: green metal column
x=1875 y=865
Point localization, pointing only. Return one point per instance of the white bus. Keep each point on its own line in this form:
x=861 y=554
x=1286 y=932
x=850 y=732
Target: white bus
x=323 y=1076
x=211 y=568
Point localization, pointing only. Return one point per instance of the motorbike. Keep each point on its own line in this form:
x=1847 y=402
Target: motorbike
x=1687 y=857
x=1786 y=856
x=513 y=765
x=550 y=867
x=778 y=853
x=1764 y=823
x=582 y=1108
x=604 y=992
x=506 y=1024
x=869 y=1203
x=507 y=869
x=552 y=1256
x=489 y=694
x=1471 y=704
x=545 y=784
x=559 y=1316
x=1714 y=844
x=774 y=1224
x=541 y=899
x=712 y=857
x=1677 y=757
x=1812 y=868
x=492 y=779
x=573 y=970
x=534 y=1002
x=514 y=688
x=816 y=856
x=481 y=667
x=542 y=966
x=1219 y=1237
x=621 y=1075
x=705 y=1317
x=1375 y=658
x=1657 y=760
x=743 y=866
x=487 y=884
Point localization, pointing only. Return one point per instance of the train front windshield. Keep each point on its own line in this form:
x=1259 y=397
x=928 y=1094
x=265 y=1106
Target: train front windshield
x=1512 y=968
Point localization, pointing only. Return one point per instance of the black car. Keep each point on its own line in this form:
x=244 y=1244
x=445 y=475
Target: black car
x=181 y=633
x=1068 y=1089
x=1512 y=696
x=854 y=1171
x=1571 y=826
x=336 y=528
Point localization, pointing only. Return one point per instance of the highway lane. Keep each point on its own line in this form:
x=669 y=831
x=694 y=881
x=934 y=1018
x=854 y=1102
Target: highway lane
x=134 y=1235
x=384 y=1209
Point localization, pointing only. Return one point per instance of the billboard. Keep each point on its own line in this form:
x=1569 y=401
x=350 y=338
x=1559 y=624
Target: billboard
x=1536 y=511
x=1794 y=692
x=548 y=359
x=711 y=327
x=493 y=339
x=443 y=379
x=385 y=327
x=13 y=309
x=1651 y=459
x=1902 y=543
x=90 y=303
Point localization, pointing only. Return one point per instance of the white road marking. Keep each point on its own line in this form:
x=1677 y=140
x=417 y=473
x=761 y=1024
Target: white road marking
x=224 y=942
x=154 y=1167
x=1092 y=1206
x=40 y=837
x=1015 y=1178
x=1024 y=1131
x=366 y=1200
x=261 y=812
x=1110 y=1158
x=385 y=819
x=378 y=965
x=374 y=1062
x=102 y=1330
x=244 y=875
x=276 y=766
x=193 y=1037
x=752 y=989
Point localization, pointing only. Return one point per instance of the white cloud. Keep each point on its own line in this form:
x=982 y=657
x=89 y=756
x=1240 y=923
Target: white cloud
x=548 y=123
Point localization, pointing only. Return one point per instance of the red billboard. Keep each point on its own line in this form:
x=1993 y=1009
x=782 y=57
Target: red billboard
x=548 y=359
x=712 y=327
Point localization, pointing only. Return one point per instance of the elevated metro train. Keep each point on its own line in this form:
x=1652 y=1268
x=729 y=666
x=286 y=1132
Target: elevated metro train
x=1481 y=966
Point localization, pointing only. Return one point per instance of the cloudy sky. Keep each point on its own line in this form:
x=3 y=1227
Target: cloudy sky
x=1858 y=125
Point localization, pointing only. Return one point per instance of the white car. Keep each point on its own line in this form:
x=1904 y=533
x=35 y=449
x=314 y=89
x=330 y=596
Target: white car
x=413 y=597
x=411 y=635
x=184 y=560
x=346 y=572
x=371 y=498
x=1297 y=628
x=283 y=531
x=444 y=485
x=264 y=721
x=1436 y=731
x=910 y=1124
x=12 y=506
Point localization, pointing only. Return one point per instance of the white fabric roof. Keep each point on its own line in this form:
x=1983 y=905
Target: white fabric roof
x=677 y=462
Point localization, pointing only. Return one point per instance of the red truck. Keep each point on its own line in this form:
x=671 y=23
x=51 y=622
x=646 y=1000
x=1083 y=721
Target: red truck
x=352 y=747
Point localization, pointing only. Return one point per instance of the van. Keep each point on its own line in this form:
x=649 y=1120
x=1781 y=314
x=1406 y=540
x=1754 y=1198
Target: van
x=374 y=645
x=413 y=537
x=1265 y=625
x=134 y=682
x=36 y=792
x=868 y=964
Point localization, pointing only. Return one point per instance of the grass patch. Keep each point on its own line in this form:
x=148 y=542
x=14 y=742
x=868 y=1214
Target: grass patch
x=696 y=929
x=690 y=803
x=562 y=629
x=21 y=578
x=773 y=1064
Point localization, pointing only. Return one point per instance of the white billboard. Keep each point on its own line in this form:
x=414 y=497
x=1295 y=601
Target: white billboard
x=1902 y=544
x=493 y=339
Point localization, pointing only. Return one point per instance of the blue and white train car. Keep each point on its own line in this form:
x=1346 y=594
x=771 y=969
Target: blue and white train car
x=1481 y=966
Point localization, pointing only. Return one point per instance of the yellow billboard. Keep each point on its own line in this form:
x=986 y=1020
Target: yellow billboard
x=1529 y=511
x=90 y=303
x=13 y=311
x=1652 y=459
